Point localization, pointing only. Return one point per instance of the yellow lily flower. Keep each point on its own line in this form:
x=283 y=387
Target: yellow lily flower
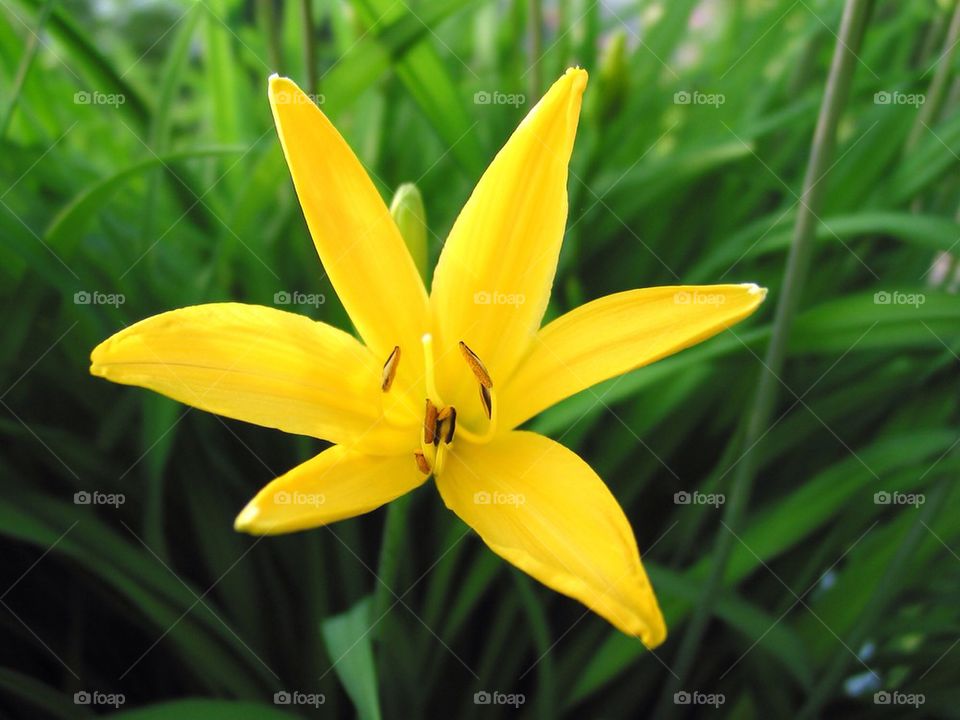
x=440 y=382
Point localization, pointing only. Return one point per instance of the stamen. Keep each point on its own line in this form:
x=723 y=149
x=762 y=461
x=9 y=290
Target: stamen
x=476 y=365
x=451 y=427
x=487 y=399
x=422 y=464
x=390 y=369
x=430 y=423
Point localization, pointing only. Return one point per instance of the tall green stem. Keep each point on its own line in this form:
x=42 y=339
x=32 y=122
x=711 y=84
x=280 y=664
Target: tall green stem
x=535 y=27
x=938 y=85
x=853 y=24
x=30 y=48
x=309 y=46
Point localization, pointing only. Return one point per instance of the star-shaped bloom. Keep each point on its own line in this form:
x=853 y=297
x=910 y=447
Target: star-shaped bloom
x=437 y=384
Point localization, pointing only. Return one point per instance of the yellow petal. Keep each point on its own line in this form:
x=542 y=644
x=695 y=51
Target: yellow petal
x=493 y=280
x=260 y=365
x=360 y=246
x=617 y=333
x=541 y=507
x=336 y=484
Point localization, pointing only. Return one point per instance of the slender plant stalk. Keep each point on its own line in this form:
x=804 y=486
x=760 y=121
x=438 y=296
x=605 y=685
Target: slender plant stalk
x=546 y=698
x=394 y=531
x=309 y=46
x=29 y=53
x=267 y=16
x=938 y=85
x=843 y=65
x=879 y=600
x=535 y=27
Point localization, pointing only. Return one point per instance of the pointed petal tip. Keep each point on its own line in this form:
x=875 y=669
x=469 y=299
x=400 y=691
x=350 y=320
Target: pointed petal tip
x=754 y=289
x=246 y=518
x=578 y=79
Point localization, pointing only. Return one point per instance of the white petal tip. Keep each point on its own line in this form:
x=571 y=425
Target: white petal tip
x=246 y=518
x=755 y=289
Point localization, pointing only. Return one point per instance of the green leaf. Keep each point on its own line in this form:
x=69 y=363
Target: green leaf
x=349 y=643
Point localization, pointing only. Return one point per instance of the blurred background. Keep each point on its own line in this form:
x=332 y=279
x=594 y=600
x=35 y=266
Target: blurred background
x=140 y=172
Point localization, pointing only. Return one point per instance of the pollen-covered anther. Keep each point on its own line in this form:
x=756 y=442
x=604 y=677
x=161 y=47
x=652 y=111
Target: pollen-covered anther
x=446 y=425
x=451 y=424
x=487 y=400
x=390 y=369
x=423 y=465
x=476 y=365
x=430 y=423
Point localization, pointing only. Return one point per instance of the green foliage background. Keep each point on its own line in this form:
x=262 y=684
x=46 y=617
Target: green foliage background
x=180 y=195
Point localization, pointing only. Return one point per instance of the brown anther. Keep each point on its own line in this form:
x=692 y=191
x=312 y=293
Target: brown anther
x=430 y=423
x=451 y=425
x=487 y=401
x=390 y=369
x=476 y=365
x=422 y=464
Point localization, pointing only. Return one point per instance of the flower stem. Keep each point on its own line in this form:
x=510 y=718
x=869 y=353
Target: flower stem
x=309 y=47
x=394 y=530
x=535 y=27
x=26 y=61
x=844 y=62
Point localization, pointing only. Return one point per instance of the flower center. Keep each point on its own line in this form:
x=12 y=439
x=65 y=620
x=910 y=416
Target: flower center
x=439 y=419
